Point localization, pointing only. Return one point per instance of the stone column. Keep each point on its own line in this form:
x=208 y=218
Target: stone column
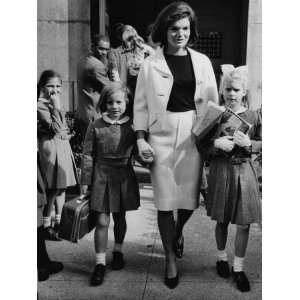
x=254 y=49
x=63 y=32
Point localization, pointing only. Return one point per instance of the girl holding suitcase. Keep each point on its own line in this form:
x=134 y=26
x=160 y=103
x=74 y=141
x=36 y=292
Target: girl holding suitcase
x=107 y=170
x=57 y=161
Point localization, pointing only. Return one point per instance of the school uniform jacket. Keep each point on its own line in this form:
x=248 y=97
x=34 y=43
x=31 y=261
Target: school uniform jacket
x=155 y=82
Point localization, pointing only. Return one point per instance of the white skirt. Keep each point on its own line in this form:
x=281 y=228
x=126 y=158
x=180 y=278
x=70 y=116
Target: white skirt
x=177 y=168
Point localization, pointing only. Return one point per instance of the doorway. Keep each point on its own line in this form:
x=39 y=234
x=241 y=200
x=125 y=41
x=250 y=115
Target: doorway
x=222 y=25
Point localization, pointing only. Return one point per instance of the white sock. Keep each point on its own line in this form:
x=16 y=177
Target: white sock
x=118 y=247
x=238 y=264
x=222 y=255
x=57 y=219
x=101 y=258
x=46 y=221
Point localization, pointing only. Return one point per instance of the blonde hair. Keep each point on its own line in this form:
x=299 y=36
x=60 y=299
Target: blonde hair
x=231 y=74
x=110 y=89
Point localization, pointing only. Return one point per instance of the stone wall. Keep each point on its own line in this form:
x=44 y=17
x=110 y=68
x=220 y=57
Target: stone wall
x=254 y=51
x=63 y=32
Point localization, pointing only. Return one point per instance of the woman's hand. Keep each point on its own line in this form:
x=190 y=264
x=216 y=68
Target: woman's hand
x=241 y=139
x=224 y=143
x=146 y=152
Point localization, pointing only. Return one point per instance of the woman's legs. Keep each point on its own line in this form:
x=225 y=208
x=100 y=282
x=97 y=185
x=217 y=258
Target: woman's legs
x=183 y=216
x=166 y=227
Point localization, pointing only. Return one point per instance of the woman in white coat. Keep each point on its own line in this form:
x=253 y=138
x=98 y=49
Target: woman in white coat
x=173 y=88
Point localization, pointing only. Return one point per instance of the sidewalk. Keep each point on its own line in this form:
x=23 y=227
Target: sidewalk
x=142 y=277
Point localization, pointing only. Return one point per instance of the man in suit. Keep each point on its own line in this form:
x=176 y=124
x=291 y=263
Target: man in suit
x=92 y=76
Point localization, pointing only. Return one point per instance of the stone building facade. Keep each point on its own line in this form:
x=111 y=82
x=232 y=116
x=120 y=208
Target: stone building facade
x=230 y=32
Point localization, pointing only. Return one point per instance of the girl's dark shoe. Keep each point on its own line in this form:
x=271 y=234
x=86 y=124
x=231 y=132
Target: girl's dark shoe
x=51 y=268
x=98 y=275
x=50 y=234
x=241 y=281
x=171 y=283
x=178 y=246
x=223 y=269
x=118 y=260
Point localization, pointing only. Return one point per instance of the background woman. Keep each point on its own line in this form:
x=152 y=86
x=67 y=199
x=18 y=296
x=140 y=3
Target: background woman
x=173 y=87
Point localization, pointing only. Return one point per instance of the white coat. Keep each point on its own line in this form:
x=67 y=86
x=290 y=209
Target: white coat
x=155 y=82
x=177 y=167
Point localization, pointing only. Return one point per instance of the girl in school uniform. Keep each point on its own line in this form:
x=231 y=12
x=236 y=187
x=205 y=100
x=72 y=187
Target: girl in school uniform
x=57 y=161
x=233 y=193
x=107 y=169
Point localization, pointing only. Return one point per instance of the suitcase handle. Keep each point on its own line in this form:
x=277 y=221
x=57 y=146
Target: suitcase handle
x=82 y=197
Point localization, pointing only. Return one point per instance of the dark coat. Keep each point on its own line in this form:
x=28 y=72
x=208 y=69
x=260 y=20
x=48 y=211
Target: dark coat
x=233 y=193
x=92 y=76
x=106 y=166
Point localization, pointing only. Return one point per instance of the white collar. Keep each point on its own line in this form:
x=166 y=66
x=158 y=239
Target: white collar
x=110 y=121
x=241 y=110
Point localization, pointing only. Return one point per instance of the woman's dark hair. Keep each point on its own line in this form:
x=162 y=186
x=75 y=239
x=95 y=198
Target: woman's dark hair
x=45 y=77
x=170 y=14
x=110 y=89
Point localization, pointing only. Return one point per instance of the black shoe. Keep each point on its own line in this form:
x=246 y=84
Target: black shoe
x=178 y=246
x=241 y=281
x=171 y=283
x=118 y=260
x=98 y=275
x=51 y=268
x=223 y=269
x=50 y=234
x=43 y=274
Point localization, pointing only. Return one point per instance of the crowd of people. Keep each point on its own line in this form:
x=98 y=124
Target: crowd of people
x=140 y=101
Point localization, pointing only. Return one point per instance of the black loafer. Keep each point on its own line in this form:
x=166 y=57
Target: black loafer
x=223 y=269
x=171 y=283
x=118 y=260
x=241 y=281
x=51 y=268
x=50 y=234
x=43 y=274
x=178 y=246
x=98 y=275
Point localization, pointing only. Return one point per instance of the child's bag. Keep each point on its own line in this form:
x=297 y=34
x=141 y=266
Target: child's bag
x=77 y=220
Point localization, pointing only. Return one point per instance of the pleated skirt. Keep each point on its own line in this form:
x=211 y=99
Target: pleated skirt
x=177 y=168
x=57 y=163
x=233 y=193
x=114 y=189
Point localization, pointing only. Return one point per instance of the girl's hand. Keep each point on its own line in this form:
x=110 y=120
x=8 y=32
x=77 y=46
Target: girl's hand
x=115 y=75
x=224 y=143
x=241 y=139
x=55 y=100
x=146 y=152
x=84 y=189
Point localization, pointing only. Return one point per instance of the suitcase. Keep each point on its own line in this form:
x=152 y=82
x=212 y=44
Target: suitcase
x=76 y=220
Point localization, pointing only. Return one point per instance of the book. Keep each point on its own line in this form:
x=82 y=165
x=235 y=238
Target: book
x=229 y=121
x=210 y=117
